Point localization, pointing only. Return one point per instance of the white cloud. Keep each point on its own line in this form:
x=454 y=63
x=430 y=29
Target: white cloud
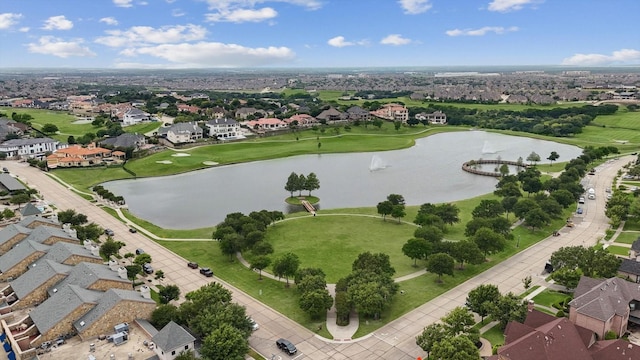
x=413 y=7
x=238 y=4
x=50 y=45
x=123 y=3
x=481 y=31
x=243 y=15
x=510 y=5
x=57 y=23
x=395 y=39
x=9 y=19
x=623 y=56
x=339 y=41
x=177 y=13
x=24 y=29
x=214 y=54
x=109 y=20
x=144 y=35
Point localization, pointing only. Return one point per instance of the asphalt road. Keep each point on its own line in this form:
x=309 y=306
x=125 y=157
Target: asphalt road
x=396 y=340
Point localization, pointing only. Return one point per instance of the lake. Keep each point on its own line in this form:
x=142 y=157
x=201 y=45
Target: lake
x=430 y=171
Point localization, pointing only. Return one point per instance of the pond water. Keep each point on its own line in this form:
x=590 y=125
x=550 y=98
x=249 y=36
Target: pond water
x=430 y=171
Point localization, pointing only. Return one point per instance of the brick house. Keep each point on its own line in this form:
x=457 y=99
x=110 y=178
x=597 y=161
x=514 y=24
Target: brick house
x=603 y=305
x=80 y=156
x=392 y=112
x=11 y=235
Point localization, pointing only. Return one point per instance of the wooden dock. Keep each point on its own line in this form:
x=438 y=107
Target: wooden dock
x=307 y=205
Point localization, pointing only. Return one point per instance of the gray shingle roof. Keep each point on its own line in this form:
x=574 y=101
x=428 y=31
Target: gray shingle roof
x=85 y=274
x=171 y=337
x=602 y=299
x=22 y=142
x=107 y=301
x=30 y=209
x=636 y=245
x=58 y=307
x=20 y=252
x=185 y=127
x=61 y=251
x=42 y=233
x=125 y=140
x=37 y=276
x=12 y=230
x=630 y=266
x=11 y=183
x=222 y=121
x=28 y=220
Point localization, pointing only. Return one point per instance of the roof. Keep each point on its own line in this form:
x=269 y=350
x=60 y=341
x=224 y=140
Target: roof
x=11 y=183
x=106 y=302
x=615 y=350
x=77 y=150
x=42 y=233
x=30 y=141
x=185 y=127
x=62 y=304
x=28 y=220
x=86 y=274
x=37 y=276
x=125 y=140
x=11 y=231
x=30 y=209
x=221 y=121
x=171 y=337
x=604 y=298
x=19 y=253
x=636 y=245
x=630 y=266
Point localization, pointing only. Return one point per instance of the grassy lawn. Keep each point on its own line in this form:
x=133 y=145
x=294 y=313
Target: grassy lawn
x=62 y=120
x=549 y=297
x=627 y=237
x=618 y=250
x=495 y=335
x=631 y=225
x=333 y=242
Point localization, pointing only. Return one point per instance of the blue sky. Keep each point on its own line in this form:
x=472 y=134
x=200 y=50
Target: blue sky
x=171 y=34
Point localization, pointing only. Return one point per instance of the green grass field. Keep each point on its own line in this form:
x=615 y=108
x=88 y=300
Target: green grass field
x=549 y=297
x=618 y=250
x=627 y=237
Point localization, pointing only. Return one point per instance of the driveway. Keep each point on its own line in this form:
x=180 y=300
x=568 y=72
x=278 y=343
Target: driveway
x=396 y=340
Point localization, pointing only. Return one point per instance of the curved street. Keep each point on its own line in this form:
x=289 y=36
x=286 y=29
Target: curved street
x=395 y=340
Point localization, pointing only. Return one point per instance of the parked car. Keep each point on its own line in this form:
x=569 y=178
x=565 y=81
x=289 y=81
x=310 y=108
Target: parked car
x=579 y=211
x=5 y=170
x=254 y=324
x=581 y=200
x=139 y=251
x=206 y=272
x=133 y=230
x=286 y=346
x=147 y=268
x=109 y=232
x=193 y=265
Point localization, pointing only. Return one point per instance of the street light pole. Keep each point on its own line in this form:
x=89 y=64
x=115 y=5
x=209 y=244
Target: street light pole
x=518 y=244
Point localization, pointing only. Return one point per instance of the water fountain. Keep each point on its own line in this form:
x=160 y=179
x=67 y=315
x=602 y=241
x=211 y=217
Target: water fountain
x=377 y=163
x=488 y=149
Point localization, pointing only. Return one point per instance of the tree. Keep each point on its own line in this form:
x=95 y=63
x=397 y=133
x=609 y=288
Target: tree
x=142 y=259
x=71 y=140
x=479 y=298
x=302 y=180
x=396 y=199
x=292 y=183
x=369 y=298
x=526 y=282
x=19 y=199
x=133 y=271
x=536 y=218
x=504 y=170
x=260 y=263
x=225 y=342
x=455 y=348
x=378 y=263
x=398 y=212
x=533 y=158
x=286 y=266
x=164 y=314
x=440 y=264
x=385 y=208
x=316 y=302
x=508 y=308
x=488 y=241
x=168 y=293
x=312 y=183
x=448 y=213
x=466 y=251
x=109 y=248
x=460 y=321
x=488 y=209
x=230 y=245
x=49 y=128
x=553 y=157
x=415 y=249
x=430 y=336
x=563 y=197
x=159 y=275
x=430 y=233
x=71 y=217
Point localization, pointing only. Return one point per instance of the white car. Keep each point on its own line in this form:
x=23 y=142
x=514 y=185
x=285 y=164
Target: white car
x=254 y=324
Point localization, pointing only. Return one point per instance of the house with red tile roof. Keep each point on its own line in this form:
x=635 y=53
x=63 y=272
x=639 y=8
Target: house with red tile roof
x=79 y=156
x=265 y=124
x=392 y=112
x=302 y=120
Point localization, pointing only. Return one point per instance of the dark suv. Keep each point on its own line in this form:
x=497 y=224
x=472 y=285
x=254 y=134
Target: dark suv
x=206 y=272
x=193 y=265
x=286 y=346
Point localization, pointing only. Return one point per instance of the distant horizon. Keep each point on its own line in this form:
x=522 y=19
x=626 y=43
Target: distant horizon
x=268 y=34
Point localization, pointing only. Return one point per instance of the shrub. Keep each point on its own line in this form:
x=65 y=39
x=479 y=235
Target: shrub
x=610 y=335
x=343 y=308
x=560 y=313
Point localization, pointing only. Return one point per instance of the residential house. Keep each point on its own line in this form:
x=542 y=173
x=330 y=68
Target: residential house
x=33 y=222
x=188 y=108
x=172 y=340
x=134 y=116
x=630 y=270
x=11 y=235
x=29 y=210
x=244 y=112
x=81 y=156
x=604 y=305
x=301 y=120
x=437 y=117
x=217 y=112
x=30 y=148
x=265 y=124
x=356 y=113
x=125 y=141
x=224 y=129
x=8 y=127
x=392 y=112
x=10 y=184
x=634 y=252
x=331 y=115
x=181 y=133
x=543 y=336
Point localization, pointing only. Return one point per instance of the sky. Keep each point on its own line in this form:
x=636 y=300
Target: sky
x=179 y=34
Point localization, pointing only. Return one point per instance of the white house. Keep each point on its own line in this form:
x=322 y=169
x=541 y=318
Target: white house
x=181 y=133
x=171 y=341
x=224 y=128
x=134 y=116
x=437 y=117
x=30 y=148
